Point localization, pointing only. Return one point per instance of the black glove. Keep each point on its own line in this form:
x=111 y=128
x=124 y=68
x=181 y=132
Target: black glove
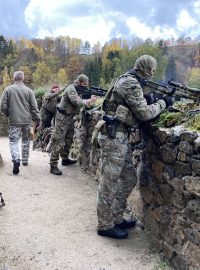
x=168 y=100
x=150 y=98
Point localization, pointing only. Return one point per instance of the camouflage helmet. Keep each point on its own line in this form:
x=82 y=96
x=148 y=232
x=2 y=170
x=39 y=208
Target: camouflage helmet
x=145 y=66
x=82 y=78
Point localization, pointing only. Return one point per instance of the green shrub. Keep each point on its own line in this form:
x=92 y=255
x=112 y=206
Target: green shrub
x=40 y=91
x=170 y=119
x=193 y=122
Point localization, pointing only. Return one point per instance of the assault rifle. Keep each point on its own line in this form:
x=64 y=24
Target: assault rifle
x=85 y=93
x=175 y=89
x=96 y=91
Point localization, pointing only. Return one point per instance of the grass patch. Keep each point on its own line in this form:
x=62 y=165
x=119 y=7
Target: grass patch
x=170 y=119
x=160 y=265
x=193 y=122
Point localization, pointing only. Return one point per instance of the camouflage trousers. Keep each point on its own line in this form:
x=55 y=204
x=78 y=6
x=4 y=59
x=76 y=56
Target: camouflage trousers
x=62 y=137
x=15 y=133
x=117 y=180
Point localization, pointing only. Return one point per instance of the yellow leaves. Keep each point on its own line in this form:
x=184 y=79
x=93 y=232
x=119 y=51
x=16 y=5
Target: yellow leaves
x=62 y=76
x=42 y=74
x=6 y=78
x=27 y=74
x=193 y=77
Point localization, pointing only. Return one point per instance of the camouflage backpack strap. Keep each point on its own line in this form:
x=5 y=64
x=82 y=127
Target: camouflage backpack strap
x=106 y=101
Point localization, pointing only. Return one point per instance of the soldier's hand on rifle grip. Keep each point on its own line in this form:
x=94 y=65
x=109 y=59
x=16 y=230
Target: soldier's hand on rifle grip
x=93 y=99
x=150 y=98
x=168 y=100
x=90 y=100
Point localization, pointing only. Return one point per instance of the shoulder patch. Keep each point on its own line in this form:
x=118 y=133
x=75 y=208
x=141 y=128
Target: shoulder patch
x=136 y=92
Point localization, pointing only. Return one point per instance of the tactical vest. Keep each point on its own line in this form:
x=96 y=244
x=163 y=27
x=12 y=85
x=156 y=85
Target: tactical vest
x=111 y=101
x=115 y=105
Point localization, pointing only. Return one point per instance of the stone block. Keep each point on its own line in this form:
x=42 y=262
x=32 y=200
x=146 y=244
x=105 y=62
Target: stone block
x=192 y=184
x=177 y=200
x=182 y=169
x=178 y=184
x=168 y=153
x=195 y=165
x=188 y=136
x=192 y=254
x=182 y=157
x=186 y=147
x=179 y=262
x=192 y=235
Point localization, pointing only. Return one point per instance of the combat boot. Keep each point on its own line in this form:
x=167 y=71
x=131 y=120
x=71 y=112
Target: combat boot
x=66 y=162
x=16 y=165
x=126 y=224
x=54 y=170
x=114 y=232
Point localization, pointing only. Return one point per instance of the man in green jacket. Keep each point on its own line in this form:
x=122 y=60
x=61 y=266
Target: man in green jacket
x=18 y=103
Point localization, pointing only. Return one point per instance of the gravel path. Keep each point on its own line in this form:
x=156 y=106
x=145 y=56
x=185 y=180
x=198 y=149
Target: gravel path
x=49 y=222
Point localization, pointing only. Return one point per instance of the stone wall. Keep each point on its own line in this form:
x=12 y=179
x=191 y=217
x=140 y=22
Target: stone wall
x=171 y=195
x=167 y=196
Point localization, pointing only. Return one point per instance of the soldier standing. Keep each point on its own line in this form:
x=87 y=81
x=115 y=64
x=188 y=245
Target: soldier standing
x=126 y=103
x=48 y=109
x=18 y=103
x=63 y=132
x=47 y=114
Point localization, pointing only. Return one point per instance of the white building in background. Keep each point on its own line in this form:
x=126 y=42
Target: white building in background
x=86 y=48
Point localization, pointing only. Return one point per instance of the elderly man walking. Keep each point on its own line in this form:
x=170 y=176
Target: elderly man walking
x=18 y=103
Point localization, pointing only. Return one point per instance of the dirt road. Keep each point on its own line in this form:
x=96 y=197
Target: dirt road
x=49 y=222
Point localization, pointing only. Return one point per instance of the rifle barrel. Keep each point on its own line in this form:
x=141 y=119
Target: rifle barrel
x=175 y=89
x=184 y=87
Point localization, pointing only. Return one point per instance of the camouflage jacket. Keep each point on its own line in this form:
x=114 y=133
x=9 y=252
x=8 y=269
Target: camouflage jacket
x=50 y=101
x=128 y=92
x=71 y=101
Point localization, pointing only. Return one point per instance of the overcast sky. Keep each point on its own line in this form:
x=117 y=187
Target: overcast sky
x=100 y=20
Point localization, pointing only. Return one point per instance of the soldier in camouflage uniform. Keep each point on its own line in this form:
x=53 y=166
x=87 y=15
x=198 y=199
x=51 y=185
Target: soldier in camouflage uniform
x=47 y=114
x=18 y=103
x=126 y=103
x=62 y=136
x=48 y=109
